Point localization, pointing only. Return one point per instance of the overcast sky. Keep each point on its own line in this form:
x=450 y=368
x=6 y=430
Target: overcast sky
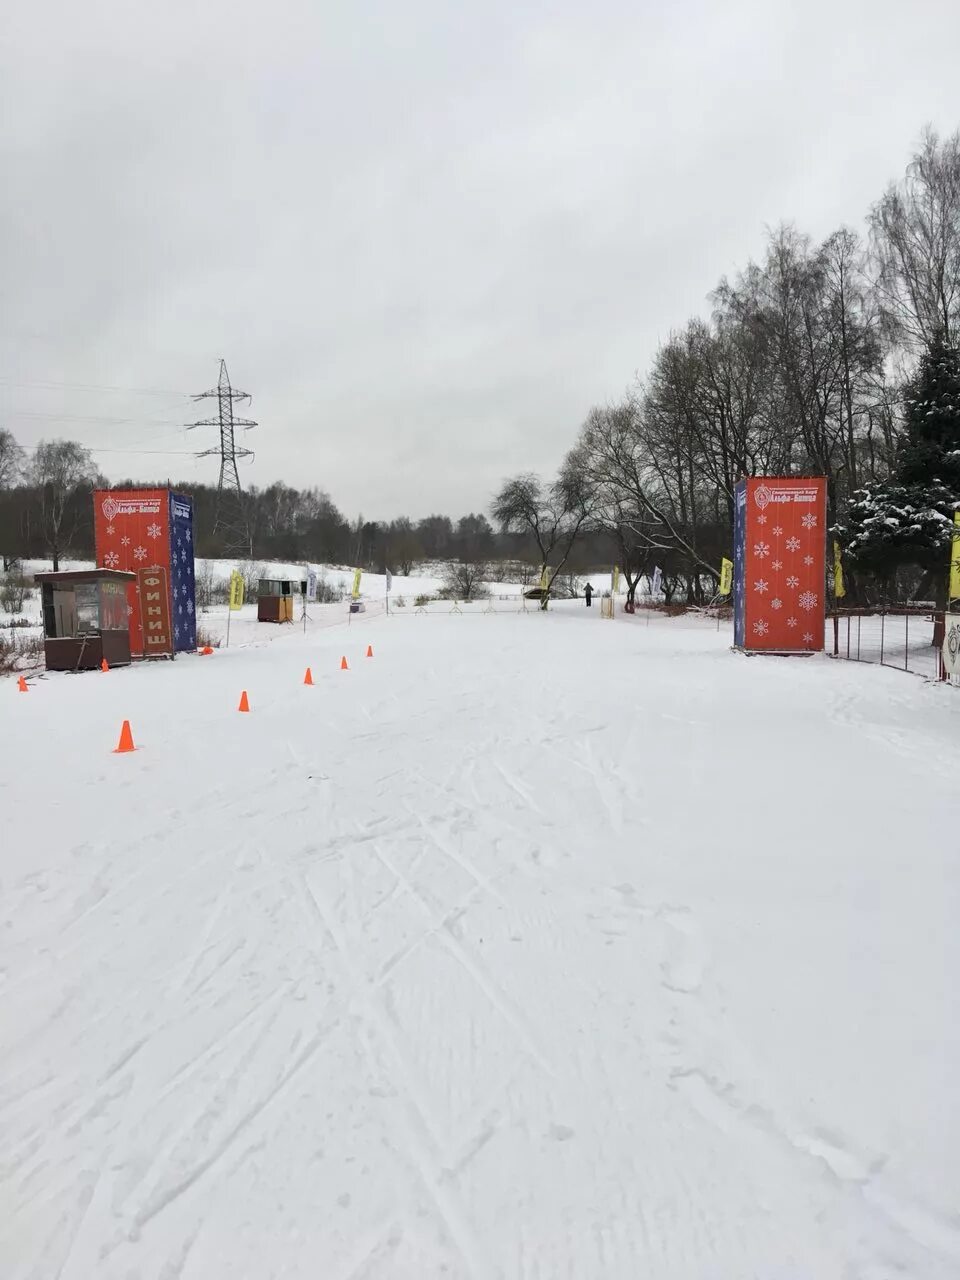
x=426 y=235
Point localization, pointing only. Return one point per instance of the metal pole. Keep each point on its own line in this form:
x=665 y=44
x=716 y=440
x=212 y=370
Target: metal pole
x=882 y=618
x=906 y=643
x=229 y=615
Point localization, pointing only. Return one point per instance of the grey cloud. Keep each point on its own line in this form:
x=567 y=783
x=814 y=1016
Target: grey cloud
x=426 y=236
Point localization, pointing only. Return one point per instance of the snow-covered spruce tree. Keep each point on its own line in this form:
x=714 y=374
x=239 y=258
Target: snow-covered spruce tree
x=908 y=519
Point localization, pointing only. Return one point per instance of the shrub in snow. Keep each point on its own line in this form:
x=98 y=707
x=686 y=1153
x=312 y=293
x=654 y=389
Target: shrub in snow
x=464 y=580
x=14 y=589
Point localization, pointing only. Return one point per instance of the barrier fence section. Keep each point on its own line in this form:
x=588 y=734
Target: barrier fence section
x=907 y=639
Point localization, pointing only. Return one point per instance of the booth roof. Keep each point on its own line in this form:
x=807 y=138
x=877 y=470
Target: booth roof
x=85 y=575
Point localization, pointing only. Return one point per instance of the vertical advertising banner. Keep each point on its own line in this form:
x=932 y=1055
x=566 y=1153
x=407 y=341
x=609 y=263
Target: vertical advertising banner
x=155 y=611
x=150 y=529
x=183 y=590
x=780 y=564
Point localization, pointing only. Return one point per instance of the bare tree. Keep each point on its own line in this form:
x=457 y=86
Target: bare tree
x=640 y=462
x=916 y=245
x=404 y=547
x=553 y=516
x=11 y=460
x=61 y=470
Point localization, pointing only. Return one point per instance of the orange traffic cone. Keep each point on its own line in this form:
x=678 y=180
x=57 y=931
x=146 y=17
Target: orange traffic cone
x=104 y=665
x=206 y=651
x=244 y=702
x=22 y=685
x=369 y=650
x=126 y=740
x=344 y=665
x=308 y=676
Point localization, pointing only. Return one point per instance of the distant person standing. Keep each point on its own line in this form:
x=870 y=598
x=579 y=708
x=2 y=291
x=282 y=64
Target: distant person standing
x=588 y=592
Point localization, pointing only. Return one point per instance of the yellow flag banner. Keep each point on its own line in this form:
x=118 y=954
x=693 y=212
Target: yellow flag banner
x=839 y=589
x=955 y=560
x=616 y=579
x=544 y=578
x=726 y=576
x=236 y=590
x=356 y=584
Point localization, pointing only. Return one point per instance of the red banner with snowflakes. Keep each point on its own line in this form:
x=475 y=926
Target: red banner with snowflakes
x=782 y=567
x=132 y=532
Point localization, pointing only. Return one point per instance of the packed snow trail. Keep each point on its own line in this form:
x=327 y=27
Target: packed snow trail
x=531 y=947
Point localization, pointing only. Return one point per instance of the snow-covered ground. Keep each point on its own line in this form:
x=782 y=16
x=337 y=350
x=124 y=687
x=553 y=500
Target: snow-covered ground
x=530 y=947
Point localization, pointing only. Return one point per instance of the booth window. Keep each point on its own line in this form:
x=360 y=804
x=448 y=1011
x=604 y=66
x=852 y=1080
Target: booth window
x=87 y=608
x=113 y=606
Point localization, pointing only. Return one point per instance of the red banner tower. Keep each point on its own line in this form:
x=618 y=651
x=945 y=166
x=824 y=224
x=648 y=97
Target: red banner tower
x=149 y=532
x=779 y=563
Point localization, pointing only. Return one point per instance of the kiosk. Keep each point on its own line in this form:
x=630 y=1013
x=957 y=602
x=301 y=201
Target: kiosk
x=85 y=618
x=275 y=600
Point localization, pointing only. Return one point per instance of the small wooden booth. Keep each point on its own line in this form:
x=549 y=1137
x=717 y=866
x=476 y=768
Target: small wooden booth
x=85 y=618
x=275 y=600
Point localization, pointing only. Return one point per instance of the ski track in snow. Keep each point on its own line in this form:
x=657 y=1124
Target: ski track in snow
x=458 y=964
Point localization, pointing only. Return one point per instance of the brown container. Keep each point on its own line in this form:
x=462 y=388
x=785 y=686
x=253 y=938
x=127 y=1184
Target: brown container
x=275 y=600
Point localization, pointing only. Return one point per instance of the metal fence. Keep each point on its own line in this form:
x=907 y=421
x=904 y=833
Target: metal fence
x=908 y=639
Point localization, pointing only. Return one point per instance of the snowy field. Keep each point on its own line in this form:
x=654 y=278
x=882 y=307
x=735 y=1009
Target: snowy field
x=531 y=947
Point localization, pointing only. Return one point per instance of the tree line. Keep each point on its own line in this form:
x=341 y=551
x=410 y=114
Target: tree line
x=835 y=358
x=46 y=512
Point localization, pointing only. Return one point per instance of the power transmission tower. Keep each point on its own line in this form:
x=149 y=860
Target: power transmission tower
x=230 y=522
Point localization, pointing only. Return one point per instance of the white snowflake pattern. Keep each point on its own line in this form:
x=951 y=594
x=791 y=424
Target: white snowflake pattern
x=183 y=557
x=760 y=628
x=807 y=638
x=111 y=530
x=761 y=585
x=792 y=544
x=777 y=530
x=188 y=535
x=761 y=550
x=124 y=541
x=793 y=581
x=777 y=565
x=776 y=604
x=154 y=531
x=791 y=622
x=111 y=560
x=809 y=521
x=761 y=519
x=807 y=600
x=808 y=561
x=139 y=553
x=190 y=607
